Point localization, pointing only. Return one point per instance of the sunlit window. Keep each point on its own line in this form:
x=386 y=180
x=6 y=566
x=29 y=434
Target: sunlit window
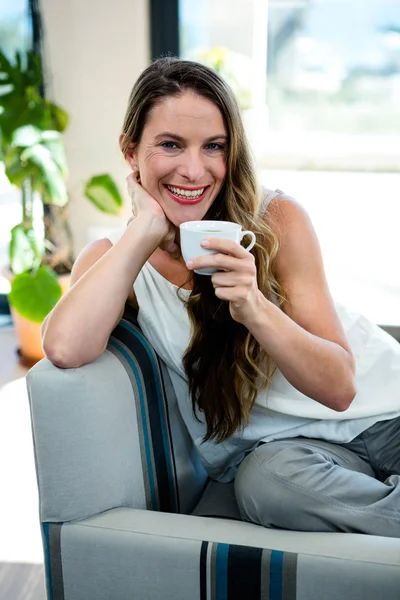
x=333 y=68
x=15 y=26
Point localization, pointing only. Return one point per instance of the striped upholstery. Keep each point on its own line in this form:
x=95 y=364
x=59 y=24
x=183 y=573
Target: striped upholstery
x=224 y=571
x=157 y=457
x=161 y=431
x=235 y=572
x=128 y=553
x=51 y=535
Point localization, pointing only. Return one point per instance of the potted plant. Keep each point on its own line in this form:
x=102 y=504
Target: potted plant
x=32 y=151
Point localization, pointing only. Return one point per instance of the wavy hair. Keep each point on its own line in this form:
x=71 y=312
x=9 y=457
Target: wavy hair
x=225 y=365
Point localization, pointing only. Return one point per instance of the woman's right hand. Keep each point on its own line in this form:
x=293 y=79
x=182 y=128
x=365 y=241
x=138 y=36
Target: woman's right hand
x=143 y=202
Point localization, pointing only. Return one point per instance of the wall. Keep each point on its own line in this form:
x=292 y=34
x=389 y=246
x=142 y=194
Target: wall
x=94 y=51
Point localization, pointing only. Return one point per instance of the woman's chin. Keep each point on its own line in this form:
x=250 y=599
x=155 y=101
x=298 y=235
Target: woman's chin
x=185 y=216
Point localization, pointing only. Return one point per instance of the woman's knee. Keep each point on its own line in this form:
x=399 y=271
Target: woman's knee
x=271 y=482
x=261 y=493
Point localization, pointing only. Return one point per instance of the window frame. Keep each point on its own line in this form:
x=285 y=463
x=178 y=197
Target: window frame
x=164 y=28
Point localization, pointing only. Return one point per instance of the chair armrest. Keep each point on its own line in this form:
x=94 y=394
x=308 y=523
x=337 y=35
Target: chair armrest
x=110 y=434
x=85 y=439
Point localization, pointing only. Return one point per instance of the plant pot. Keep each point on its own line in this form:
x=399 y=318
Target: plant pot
x=30 y=349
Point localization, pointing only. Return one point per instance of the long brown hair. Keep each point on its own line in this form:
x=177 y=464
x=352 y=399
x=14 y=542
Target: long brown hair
x=224 y=363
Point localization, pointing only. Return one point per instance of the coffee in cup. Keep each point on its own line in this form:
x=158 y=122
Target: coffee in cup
x=193 y=232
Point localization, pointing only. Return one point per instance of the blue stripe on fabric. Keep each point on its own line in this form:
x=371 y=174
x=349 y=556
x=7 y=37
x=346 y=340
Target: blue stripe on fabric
x=221 y=572
x=143 y=340
x=145 y=426
x=46 y=544
x=275 y=581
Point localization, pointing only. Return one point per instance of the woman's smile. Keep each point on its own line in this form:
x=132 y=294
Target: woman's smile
x=185 y=195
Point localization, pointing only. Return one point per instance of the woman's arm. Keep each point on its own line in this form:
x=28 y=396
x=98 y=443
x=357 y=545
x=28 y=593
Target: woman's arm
x=306 y=340
x=77 y=329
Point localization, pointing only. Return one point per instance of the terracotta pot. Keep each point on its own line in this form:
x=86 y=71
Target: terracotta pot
x=28 y=332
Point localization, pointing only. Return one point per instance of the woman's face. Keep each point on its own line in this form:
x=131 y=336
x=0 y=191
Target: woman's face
x=181 y=156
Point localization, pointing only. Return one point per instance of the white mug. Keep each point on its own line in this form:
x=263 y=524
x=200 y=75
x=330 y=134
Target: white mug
x=193 y=232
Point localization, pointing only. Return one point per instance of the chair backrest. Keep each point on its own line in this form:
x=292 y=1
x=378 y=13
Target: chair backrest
x=174 y=478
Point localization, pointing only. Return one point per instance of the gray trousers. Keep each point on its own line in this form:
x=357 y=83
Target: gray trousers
x=311 y=485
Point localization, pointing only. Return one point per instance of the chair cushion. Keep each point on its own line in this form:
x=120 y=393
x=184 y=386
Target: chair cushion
x=218 y=501
x=128 y=553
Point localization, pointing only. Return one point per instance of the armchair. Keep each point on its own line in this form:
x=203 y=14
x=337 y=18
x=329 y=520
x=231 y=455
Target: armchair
x=127 y=510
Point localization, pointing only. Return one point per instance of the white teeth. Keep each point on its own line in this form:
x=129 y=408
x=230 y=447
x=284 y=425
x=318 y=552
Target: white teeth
x=186 y=193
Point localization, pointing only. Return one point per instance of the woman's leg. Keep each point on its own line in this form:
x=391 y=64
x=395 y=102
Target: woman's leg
x=380 y=445
x=312 y=485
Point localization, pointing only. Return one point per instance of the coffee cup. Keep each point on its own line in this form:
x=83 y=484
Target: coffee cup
x=193 y=232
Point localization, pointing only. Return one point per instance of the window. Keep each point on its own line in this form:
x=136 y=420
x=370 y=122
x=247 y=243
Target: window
x=333 y=82
x=15 y=26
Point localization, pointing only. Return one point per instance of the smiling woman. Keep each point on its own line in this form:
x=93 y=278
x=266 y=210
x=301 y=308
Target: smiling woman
x=184 y=166
x=192 y=137
x=256 y=349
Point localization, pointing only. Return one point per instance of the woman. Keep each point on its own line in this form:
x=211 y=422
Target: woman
x=260 y=362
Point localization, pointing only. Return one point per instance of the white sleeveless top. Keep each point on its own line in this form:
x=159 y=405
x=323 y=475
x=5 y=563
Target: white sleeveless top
x=281 y=411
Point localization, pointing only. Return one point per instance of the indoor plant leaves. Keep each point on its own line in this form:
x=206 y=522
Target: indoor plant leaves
x=104 y=193
x=25 y=249
x=35 y=293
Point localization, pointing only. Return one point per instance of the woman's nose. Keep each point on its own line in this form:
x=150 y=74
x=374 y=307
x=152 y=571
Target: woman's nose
x=192 y=167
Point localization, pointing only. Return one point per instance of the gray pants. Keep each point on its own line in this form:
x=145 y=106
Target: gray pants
x=312 y=485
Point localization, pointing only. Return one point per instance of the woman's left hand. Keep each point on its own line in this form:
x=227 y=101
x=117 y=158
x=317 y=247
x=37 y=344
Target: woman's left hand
x=236 y=279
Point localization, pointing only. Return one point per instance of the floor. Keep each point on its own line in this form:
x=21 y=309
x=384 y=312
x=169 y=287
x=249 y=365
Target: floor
x=21 y=556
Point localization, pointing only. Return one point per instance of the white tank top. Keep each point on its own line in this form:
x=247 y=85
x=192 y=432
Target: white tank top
x=281 y=411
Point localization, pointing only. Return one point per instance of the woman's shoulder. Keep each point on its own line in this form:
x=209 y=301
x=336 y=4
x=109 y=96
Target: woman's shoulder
x=298 y=245
x=267 y=195
x=283 y=212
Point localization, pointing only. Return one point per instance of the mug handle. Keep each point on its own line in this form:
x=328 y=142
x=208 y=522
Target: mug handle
x=253 y=240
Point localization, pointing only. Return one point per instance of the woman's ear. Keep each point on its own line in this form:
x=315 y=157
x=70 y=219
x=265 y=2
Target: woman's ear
x=130 y=152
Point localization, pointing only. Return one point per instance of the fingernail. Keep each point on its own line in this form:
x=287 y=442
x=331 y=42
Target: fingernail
x=205 y=243
x=189 y=264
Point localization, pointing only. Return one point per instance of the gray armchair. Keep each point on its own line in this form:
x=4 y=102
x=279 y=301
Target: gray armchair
x=127 y=510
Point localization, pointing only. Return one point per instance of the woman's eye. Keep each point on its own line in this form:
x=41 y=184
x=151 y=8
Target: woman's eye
x=169 y=145
x=214 y=146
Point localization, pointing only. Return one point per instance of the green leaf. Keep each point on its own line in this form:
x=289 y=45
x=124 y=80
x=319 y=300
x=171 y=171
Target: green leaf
x=33 y=74
x=51 y=183
x=25 y=250
x=35 y=293
x=54 y=142
x=58 y=116
x=7 y=70
x=25 y=71
x=26 y=108
x=25 y=136
x=17 y=171
x=104 y=193
x=20 y=100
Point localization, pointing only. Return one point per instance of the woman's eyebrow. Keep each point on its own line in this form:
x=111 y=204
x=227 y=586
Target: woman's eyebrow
x=222 y=136
x=178 y=138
